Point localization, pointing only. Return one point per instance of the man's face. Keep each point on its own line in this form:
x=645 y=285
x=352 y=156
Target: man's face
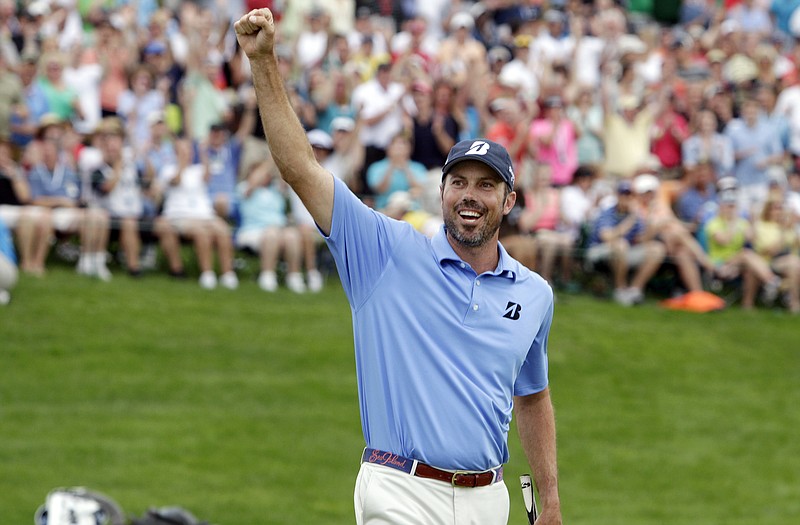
x=624 y=202
x=474 y=202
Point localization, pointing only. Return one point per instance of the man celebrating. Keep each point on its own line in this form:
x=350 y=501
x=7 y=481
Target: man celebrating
x=450 y=332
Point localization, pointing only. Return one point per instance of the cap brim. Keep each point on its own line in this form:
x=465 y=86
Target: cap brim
x=477 y=158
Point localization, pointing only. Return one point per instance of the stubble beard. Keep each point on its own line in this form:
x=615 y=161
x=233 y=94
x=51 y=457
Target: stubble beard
x=474 y=237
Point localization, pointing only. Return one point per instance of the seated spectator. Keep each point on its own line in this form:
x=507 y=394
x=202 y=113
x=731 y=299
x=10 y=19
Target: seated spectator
x=699 y=193
x=579 y=203
x=776 y=241
x=32 y=225
x=542 y=218
x=55 y=185
x=187 y=212
x=727 y=235
x=117 y=187
x=264 y=228
x=397 y=172
x=682 y=247
x=620 y=237
x=347 y=156
x=8 y=265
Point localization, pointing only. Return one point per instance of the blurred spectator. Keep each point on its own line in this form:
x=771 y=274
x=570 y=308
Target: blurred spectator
x=621 y=238
x=682 y=248
x=54 y=184
x=553 y=141
x=627 y=135
x=117 y=186
x=8 y=264
x=23 y=127
x=579 y=203
x=542 y=218
x=12 y=101
x=461 y=57
x=381 y=104
x=776 y=241
x=728 y=235
x=312 y=39
x=509 y=128
x=62 y=100
x=707 y=145
x=766 y=95
x=332 y=99
x=756 y=147
x=187 y=212
x=83 y=73
x=347 y=156
x=137 y=103
x=751 y=16
x=435 y=129
x=669 y=131
x=264 y=229
x=397 y=172
x=32 y=225
x=698 y=194
x=221 y=151
x=587 y=117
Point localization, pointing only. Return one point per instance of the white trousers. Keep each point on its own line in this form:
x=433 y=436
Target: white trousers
x=384 y=496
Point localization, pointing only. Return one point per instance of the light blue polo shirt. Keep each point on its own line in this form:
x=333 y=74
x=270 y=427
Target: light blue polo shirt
x=440 y=351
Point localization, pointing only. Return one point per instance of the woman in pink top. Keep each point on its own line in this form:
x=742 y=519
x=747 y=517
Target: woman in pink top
x=553 y=140
x=542 y=217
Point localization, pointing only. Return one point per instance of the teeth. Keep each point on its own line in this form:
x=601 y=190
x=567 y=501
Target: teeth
x=472 y=214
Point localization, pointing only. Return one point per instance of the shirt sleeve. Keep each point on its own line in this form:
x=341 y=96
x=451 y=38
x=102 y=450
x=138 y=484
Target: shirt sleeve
x=532 y=377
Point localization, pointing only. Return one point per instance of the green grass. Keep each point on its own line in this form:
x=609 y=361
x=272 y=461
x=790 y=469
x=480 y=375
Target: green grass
x=241 y=406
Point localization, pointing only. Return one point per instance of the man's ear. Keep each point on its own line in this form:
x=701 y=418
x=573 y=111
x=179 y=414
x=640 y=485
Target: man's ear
x=511 y=199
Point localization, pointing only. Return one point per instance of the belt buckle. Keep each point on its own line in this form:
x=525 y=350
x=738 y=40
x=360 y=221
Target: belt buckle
x=458 y=473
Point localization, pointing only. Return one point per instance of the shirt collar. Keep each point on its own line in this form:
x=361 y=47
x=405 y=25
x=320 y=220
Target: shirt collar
x=506 y=266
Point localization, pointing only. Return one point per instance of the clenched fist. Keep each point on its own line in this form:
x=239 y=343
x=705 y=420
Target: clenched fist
x=255 y=32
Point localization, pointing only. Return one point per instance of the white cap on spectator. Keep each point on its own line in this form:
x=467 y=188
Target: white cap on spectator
x=462 y=20
x=155 y=117
x=319 y=139
x=645 y=183
x=343 y=124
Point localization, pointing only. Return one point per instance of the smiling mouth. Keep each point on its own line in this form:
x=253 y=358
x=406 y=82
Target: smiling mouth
x=469 y=216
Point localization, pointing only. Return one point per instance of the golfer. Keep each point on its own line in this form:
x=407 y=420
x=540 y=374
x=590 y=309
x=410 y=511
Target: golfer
x=450 y=332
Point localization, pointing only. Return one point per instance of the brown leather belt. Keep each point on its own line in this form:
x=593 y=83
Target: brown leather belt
x=413 y=467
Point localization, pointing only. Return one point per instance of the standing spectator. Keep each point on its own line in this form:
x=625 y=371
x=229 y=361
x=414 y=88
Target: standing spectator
x=553 y=142
x=348 y=154
x=462 y=57
x=136 y=103
x=8 y=264
x=669 y=131
x=756 y=147
x=117 y=187
x=435 y=128
x=707 y=145
x=32 y=225
x=12 y=101
x=116 y=55
x=83 y=73
x=188 y=212
x=776 y=241
x=23 y=128
x=510 y=128
x=587 y=117
x=627 y=135
x=62 y=100
x=397 y=172
x=222 y=152
x=750 y=16
x=382 y=104
x=55 y=185
x=264 y=228
x=312 y=40
x=621 y=238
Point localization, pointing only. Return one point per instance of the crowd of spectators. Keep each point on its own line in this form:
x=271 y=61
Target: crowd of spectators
x=642 y=133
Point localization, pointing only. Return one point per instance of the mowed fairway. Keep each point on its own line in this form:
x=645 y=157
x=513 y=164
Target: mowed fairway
x=242 y=407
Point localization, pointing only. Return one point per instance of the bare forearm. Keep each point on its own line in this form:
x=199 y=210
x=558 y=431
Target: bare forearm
x=537 y=432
